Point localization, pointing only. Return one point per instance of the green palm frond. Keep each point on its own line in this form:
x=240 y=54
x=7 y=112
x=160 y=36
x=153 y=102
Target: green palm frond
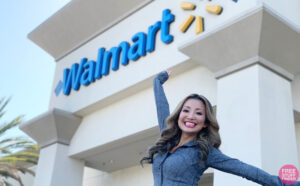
x=6 y=126
x=16 y=153
x=7 y=144
x=33 y=147
x=11 y=160
x=12 y=139
x=18 y=144
x=25 y=155
x=3 y=103
x=29 y=157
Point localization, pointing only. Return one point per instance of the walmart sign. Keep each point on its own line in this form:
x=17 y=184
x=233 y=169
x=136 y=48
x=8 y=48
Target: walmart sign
x=88 y=71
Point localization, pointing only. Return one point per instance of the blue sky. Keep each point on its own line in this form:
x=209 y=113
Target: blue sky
x=26 y=71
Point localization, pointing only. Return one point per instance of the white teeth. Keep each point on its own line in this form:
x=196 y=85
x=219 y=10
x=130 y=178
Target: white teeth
x=190 y=124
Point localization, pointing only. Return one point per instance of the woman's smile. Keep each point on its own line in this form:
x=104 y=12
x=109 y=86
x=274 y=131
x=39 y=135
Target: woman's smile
x=192 y=117
x=190 y=124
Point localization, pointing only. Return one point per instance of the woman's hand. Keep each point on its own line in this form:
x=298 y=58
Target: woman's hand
x=169 y=72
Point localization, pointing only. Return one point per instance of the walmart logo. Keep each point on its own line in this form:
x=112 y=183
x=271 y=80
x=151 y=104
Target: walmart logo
x=88 y=71
x=199 y=20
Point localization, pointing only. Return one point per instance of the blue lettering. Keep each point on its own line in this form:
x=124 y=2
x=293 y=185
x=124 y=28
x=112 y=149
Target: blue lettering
x=72 y=78
x=106 y=63
x=115 y=51
x=167 y=18
x=152 y=31
x=88 y=75
x=114 y=55
x=99 y=64
x=125 y=46
x=138 y=49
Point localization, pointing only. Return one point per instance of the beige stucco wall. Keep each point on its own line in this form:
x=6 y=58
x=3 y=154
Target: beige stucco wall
x=133 y=176
x=127 y=177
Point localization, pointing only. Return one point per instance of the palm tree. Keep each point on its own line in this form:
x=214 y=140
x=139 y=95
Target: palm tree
x=16 y=153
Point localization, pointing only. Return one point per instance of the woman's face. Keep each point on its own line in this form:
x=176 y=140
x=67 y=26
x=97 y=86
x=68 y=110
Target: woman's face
x=192 y=117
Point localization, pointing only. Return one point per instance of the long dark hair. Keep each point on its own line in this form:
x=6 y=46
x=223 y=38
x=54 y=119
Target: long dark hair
x=206 y=138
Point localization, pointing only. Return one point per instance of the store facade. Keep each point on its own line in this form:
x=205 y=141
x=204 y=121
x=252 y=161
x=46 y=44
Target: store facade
x=102 y=117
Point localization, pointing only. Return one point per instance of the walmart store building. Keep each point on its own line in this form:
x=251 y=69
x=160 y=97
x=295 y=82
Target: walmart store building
x=244 y=58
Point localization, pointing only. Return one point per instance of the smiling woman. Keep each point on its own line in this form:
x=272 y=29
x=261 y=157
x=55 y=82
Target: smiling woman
x=189 y=144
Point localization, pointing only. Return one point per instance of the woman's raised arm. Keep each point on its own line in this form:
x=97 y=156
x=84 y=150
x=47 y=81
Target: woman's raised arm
x=218 y=160
x=161 y=102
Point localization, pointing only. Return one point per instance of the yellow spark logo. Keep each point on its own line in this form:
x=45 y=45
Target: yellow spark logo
x=199 y=22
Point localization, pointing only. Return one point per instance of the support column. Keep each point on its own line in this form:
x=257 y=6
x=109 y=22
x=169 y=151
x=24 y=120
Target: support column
x=55 y=168
x=255 y=113
x=254 y=104
x=53 y=132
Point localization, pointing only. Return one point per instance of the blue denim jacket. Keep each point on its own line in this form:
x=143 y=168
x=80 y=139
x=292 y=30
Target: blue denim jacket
x=181 y=168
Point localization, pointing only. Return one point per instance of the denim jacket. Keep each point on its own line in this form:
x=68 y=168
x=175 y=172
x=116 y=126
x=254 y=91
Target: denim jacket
x=181 y=168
